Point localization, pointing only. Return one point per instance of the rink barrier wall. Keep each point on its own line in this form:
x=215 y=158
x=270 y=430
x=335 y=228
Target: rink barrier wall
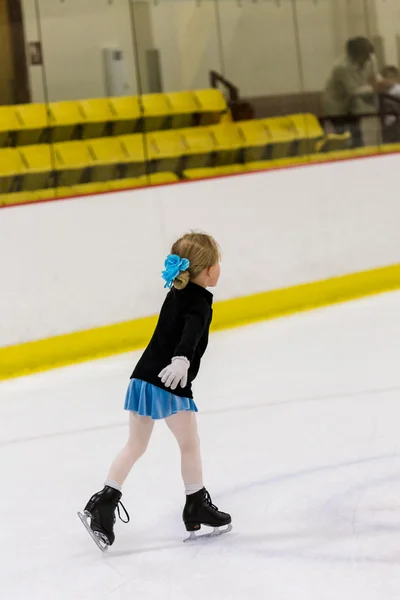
x=90 y=262
x=62 y=350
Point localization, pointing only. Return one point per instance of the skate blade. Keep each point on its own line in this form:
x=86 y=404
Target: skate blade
x=98 y=540
x=215 y=533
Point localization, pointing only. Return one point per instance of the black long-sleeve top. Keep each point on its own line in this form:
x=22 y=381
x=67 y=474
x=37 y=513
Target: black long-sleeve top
x=182 y=330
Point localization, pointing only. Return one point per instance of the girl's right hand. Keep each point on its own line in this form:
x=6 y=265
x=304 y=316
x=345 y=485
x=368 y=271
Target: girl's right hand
x=176 y=373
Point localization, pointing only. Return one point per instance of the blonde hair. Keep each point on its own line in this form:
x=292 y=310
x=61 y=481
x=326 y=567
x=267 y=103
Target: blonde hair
x=201 y=250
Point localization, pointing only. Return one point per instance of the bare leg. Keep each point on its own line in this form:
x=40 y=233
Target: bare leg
x=140 y=430
x=184 y=427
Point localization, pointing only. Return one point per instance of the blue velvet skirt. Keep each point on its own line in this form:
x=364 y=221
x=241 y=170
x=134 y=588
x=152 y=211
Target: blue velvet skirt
x=150 y=401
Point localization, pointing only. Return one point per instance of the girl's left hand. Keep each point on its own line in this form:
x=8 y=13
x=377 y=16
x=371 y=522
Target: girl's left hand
x=175 y=373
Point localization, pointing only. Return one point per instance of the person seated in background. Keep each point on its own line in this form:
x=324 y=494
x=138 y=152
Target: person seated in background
x=392 y=76
x=391 y=122
x=352 y=87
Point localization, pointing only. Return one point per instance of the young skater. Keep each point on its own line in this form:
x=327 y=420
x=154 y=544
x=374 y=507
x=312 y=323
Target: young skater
x=161 y=388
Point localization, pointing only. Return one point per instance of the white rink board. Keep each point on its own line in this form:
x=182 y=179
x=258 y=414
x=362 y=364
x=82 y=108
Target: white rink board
x=93 y=261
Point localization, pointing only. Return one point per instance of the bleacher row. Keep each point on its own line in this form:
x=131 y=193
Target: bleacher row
x=25 y=124
x=163 y=178
x=50 y=155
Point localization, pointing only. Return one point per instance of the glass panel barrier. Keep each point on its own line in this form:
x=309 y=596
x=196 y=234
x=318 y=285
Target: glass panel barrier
x=177 y=48
x=338 y=66
x=259 y=56
x=15 y=87
x=82 y=100
x=349 y=47
x=290 y=62
x=91 y=93
x=112 y=94
x=387 y=41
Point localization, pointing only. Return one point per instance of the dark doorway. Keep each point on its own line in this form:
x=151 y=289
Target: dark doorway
x=14 y=82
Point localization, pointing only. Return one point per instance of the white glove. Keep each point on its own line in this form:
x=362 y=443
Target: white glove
x=175 y=373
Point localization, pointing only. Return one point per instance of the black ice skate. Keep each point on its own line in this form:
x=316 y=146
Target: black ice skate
x=199 y=510
x=101 y=511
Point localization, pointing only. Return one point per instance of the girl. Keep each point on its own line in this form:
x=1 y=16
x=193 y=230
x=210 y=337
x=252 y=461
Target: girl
x=161 y=388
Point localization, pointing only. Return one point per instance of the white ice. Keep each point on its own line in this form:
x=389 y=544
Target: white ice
x=300 y=424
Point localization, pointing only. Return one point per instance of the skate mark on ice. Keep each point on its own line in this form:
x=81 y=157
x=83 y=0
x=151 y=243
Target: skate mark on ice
x=305 y=399
x=305 y=472
x=208 y=413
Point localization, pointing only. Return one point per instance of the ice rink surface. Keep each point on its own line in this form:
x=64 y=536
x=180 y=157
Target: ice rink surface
x=300 y=427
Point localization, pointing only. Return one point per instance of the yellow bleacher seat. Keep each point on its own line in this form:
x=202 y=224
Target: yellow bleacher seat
x=12 y=169
x=212 y=105
x=228 y=142
x=126 y=114
x=65 y=121
x=155 y=111
x=367 y=150
x=334 y=142
x=30 y=196
x=280 y=163
x=308 y=131
x=312 y=158
x=41 y=195
x=98 y=117
x=346 y=154
x=129 y=183
x=9 y=125
x=86 y=189
x=71 y=191
x=214 y=171
x=283 y=136
x=166 y=149
x=144 y=181
x=34 y=124
x=74 y=163
x=136 y=149
x=183 y=109
x=110 y=159
x=200 y=147
x=55 y=193
x=162 y=178
x=52 y=193
x=16 y=198
x=389 y=148
x=257 y=141
x=41 y=166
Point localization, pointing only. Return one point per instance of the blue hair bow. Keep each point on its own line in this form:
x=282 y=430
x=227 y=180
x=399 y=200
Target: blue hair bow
x=174 y=264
